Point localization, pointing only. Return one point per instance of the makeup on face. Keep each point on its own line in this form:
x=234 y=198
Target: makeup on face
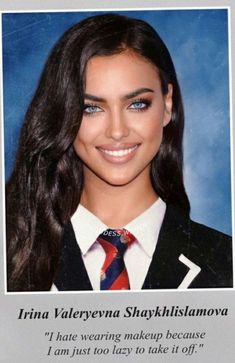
x=123 y=119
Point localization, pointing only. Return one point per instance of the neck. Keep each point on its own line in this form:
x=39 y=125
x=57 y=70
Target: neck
x=116 y=206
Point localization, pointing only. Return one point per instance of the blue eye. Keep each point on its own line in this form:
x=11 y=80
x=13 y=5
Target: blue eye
x=140 y=105
x=91 y=109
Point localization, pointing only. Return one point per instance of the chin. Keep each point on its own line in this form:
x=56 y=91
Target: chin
x=119 y=181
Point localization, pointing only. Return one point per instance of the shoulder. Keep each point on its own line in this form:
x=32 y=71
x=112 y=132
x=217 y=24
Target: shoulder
x=213 y=250
x=208 y=248
x=202 y=235
x=208 y=236
x=212 y=244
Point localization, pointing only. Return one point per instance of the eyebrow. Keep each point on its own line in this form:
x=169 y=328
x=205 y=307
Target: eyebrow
x=138 y=92
x=128 y=96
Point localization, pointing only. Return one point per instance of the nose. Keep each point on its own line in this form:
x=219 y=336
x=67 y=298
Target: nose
x=117 y=127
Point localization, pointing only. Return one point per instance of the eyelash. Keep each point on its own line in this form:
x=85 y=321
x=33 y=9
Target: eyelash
x=90 y=105
x=146 y=104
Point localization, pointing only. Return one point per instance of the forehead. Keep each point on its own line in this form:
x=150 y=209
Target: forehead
x=124 y=70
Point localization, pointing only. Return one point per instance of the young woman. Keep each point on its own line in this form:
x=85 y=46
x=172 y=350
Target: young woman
x=101 y=150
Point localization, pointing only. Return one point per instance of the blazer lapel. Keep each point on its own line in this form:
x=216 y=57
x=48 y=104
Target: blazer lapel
x=170 y=268
x=71 y=274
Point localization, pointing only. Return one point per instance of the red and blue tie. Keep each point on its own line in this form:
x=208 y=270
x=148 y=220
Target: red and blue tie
x=114 y=275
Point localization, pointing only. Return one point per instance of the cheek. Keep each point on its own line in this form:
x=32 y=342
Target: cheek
x=81 y=142
x=85 y=137
x=77 y=144
x=153 y=130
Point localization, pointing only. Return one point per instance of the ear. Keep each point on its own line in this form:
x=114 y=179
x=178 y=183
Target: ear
x=168 y=105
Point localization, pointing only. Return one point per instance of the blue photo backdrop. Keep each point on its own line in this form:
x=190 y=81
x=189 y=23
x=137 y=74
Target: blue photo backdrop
x=198 y=43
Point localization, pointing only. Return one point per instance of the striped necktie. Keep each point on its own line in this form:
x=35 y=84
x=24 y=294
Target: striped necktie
x=114 y=275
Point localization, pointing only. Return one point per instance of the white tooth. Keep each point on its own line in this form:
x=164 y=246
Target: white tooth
x=119 y=152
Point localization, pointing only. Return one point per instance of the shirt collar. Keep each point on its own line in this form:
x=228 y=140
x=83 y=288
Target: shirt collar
x=87 y=228
x=145 y=227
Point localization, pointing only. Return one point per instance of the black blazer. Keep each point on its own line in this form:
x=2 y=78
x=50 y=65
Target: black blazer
x=187 y=255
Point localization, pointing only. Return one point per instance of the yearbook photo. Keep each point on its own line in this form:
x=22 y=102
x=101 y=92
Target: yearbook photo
x=117 y=150
x=117 y=177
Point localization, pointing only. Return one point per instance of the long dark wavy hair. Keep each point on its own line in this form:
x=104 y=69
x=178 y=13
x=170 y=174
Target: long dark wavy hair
x=45 y=187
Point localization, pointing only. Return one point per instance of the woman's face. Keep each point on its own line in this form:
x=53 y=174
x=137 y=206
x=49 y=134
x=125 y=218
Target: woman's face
x=123 y=119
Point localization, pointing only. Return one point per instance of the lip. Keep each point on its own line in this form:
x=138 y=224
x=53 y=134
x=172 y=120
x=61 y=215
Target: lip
x=118 y=154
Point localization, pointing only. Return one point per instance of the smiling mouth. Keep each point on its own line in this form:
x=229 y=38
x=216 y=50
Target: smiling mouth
x=120 y=152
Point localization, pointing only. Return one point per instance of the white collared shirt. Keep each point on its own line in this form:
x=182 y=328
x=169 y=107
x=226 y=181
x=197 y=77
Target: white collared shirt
x=145 y=228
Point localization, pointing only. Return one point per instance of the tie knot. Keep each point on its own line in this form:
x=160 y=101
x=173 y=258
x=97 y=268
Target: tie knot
x=115 y=240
